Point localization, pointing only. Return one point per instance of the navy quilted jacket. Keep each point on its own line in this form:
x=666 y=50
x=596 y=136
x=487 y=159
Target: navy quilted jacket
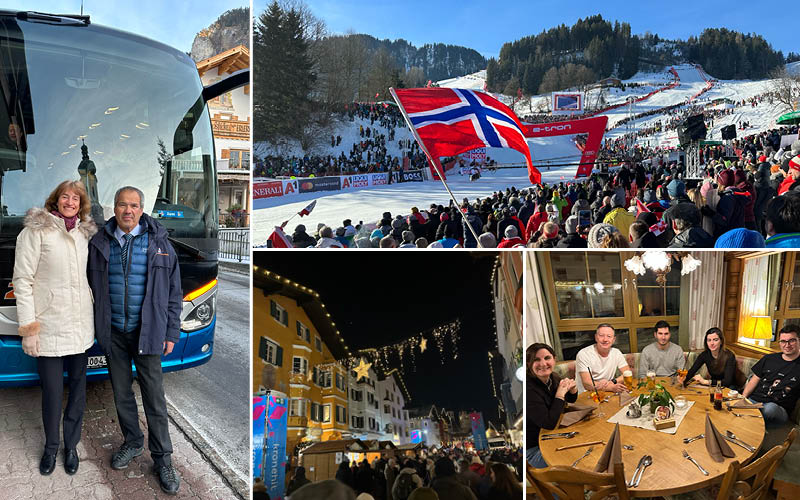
x=162 y=301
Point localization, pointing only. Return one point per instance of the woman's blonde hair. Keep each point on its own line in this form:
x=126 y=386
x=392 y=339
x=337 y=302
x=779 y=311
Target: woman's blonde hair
x=75 y=186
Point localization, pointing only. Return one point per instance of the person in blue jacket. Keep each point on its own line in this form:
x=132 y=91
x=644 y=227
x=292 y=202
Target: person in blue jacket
x=134 y=276
x=782 y=221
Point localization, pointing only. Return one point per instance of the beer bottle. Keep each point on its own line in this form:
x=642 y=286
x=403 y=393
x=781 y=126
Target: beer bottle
x=718 y=396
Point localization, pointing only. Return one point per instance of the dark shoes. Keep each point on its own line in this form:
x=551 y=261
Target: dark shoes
x=123 y=457
x=71 y=461
x=47 y=464
x=168 y=478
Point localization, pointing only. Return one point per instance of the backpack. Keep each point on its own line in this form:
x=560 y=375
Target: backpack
x=404 y=485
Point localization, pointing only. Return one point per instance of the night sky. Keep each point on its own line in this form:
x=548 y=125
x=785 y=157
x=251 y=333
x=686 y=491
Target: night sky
x=381 y=297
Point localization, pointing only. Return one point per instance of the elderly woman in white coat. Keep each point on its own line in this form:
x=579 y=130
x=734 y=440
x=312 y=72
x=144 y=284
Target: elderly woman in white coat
x=54 y=311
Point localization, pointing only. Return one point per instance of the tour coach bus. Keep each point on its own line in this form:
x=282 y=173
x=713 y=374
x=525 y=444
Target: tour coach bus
x=81 y=101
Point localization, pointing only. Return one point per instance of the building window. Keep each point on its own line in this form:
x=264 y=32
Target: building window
x=297 y=407
x=239 y=158
x=370 y=398
x=324 y=378
x=303 y=332
x=326 y=413
x=341 y=414
x=270 y=352
x=315 y=412
x=299 y=365
x=278 y=313
x=386 y=409
x=340 y=382
x=318 y=342
x=356 y=395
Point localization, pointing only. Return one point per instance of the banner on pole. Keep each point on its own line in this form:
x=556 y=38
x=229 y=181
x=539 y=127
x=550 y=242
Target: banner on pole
x=565 y=103
x=479 y=431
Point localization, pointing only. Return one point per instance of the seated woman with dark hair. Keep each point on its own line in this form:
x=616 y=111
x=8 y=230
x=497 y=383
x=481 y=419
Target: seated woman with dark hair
x=720 y=362
x=547 y=395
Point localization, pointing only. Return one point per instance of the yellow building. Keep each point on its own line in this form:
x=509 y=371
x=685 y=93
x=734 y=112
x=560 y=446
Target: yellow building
x=295 y=349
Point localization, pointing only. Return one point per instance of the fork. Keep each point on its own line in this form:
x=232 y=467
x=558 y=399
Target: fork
x=745 y=415
x=686 y=456
x=583 y=456
x=689 y=440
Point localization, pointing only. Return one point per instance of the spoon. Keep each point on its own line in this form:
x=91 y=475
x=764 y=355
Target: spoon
x=565 y=435
x=733 y=439
x=689 y=440
x=636 y=471
x=589 y=451
x=648 y=460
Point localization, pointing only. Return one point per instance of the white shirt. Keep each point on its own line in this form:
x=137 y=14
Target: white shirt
x=119 y=233
x=603 y=368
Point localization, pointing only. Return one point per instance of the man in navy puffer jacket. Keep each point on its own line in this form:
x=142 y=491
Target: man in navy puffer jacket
x=135 y=279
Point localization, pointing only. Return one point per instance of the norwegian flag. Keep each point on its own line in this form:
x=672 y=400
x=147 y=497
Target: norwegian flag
x=452 y=121
x=308 y=209
x=278 y=239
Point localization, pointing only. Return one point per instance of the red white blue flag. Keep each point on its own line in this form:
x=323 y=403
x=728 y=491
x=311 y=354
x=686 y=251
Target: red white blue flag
x=452 y=121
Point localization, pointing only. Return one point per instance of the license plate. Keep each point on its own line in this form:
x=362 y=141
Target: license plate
x=96 y=362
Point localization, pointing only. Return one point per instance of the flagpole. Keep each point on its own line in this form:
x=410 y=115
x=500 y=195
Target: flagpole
x=435 y=164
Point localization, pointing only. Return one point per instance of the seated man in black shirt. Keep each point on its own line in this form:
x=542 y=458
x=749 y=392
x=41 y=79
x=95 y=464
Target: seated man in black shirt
x=776 y=379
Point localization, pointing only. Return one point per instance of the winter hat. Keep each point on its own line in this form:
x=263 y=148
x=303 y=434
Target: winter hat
x=488 y=240
x=579 y=205
x=676 y=188
x=794 y=163
x=762 y=159
x=423 y=494
x=571 y=224
x=740 y=238
x=408 y=237
x=551 y=208
x=397 y=223
x=739 y=176
x=444 y=467
x=618 y=200
x=726 y=178
x=649 y=196
x=300 y=229
x=511 y=232
x=350 y=231
x=340 y=231
x=648 y=218
x=550 y=230
x=796 y=148
x=598 y=232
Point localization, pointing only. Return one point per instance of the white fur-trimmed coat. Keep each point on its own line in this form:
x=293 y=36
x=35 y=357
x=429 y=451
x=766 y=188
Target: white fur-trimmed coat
x=53 y=295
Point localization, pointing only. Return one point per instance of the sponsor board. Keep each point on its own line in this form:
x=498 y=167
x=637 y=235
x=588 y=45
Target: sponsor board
x=410 y=176
x=378 y=179
x=315 y=184
x=267 y=189
x=567 y=102
x=355 y=181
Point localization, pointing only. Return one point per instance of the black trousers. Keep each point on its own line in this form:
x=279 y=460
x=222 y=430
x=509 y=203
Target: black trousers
x=124 y=349
x=51 y=373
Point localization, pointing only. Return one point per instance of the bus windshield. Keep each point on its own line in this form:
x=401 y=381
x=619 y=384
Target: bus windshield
x=111 y=109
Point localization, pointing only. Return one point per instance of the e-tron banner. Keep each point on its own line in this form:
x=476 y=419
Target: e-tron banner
x=594 y=127
x=565 y=103
x=478 y=431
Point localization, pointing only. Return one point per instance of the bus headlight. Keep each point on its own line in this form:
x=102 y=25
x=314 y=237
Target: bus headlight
x=201 y=315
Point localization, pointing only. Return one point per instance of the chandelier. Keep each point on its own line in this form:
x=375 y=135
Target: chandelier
x=660 y=263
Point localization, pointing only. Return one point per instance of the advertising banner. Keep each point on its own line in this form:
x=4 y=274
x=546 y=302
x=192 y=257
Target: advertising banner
x=478 y=431
x=594 y=128
x=273 y=413
x=259 y=410
x=567 y=102
x=416 y=436
x=314 y=184
x=267 y=189
x=476 y=154
x=378 y=179
x=410 y=176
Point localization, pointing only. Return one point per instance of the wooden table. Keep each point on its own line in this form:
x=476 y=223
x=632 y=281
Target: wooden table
x=670 y=473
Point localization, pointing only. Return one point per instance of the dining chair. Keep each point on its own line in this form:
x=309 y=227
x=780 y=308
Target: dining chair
x=568 y=483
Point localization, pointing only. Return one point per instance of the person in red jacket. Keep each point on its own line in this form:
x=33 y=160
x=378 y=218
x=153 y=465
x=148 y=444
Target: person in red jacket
x=792 y=177
x=537 y=219
x=511 y=238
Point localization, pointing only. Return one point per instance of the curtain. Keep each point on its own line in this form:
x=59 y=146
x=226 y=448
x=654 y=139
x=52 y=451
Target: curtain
x=536 y=314
x=706 y=296
x=758 y=293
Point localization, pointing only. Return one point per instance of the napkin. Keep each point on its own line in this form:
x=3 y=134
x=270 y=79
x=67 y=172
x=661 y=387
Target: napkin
x=574 y=414
x=716 y=445
x=612 y=453
x=625 y=398
x=744 y=404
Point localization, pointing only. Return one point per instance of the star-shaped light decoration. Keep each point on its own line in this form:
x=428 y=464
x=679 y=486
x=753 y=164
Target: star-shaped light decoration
x=362 y=370
x=423 y=344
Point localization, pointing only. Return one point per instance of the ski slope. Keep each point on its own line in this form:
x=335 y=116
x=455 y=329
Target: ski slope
x=368 y=204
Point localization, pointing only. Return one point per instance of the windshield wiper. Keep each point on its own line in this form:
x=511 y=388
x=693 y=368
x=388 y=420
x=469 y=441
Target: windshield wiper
x=71 y=19
x=195 y=252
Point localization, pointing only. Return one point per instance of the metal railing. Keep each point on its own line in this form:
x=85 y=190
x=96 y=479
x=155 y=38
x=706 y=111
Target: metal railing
x=234 y=244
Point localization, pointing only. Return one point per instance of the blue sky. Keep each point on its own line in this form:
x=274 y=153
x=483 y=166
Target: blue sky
x=169 y=21
x=485 y=26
